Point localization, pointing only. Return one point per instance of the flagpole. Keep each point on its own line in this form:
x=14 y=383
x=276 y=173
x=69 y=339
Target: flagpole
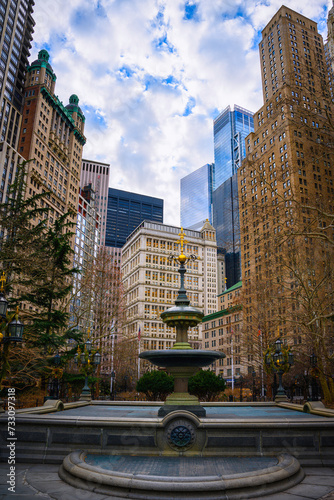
x=232 y=361
x=262 y=384
x=139 y=353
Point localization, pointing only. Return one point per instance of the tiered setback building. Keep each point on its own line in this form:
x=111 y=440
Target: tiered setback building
x=285 y=179
x=15 y=41
x=152 y=280
x=52 y=136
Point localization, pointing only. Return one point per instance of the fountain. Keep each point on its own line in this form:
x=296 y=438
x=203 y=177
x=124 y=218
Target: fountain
x=142 y=450
x=171 y=456
x=182 y=361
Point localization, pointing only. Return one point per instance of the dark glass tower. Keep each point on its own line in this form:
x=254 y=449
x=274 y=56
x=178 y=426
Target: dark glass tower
x=126 y=211
x=226 y=223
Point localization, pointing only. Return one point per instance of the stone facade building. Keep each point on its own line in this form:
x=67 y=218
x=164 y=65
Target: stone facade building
x=52 y=136
x=152 y=281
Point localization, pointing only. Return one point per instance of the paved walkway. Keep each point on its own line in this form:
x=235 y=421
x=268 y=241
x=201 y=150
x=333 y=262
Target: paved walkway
x=35 y=482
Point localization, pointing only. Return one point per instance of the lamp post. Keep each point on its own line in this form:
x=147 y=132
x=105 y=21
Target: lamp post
x=89 y=360
x=281 y=363
x=56 y=374
x=253 y=395
x=112 y=385
x=314 y=385
x=11 y=331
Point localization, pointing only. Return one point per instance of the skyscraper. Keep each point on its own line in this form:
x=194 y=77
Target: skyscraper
x=126 y=211
x=230 y=129
x=16 y=24
x=286 y=193
x=52 y=136
x=226 y=223
x=97 y=174
x=329 y=50
x=196 y=197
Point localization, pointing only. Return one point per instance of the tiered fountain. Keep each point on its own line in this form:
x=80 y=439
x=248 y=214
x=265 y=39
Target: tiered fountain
x=182 y=361
x=182 y=454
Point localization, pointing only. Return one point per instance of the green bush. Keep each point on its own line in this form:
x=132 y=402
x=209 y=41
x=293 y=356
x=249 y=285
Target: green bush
x=156 y=385
x=206 y=385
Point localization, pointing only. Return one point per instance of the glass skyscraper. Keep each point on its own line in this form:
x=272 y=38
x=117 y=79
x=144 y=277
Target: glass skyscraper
x=226 y=223
x=230 y=129
x=126 y=211
x=196 y=197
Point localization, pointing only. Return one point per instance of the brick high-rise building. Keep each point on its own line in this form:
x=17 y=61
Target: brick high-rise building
x=52 y=136
x=15 y=41
x=286 y=193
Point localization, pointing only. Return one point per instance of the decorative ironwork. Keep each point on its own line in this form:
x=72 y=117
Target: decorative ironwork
x=181 y=434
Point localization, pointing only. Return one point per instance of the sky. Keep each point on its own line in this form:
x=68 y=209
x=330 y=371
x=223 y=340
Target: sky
x=151 y=75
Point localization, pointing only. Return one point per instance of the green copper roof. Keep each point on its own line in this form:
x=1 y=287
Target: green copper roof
x=223 y=312
x=64 y=112
x=234 y=287
x=42 y=62
x=73 y=106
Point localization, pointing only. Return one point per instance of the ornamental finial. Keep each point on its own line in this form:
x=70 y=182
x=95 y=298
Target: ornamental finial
x=2 y=281
x=182 y=258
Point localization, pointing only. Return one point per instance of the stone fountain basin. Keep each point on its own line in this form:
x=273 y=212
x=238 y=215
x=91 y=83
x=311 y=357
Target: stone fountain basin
x=181 y=357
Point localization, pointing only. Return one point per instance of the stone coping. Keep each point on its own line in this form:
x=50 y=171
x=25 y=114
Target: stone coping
x=151 y=422
x=313 y=407
x=52 y=406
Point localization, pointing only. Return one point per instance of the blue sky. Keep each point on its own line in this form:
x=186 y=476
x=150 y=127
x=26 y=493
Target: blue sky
x=152 y=74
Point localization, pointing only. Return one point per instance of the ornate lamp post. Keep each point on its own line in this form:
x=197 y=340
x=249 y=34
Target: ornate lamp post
x=11 y=330
x=89 y=360
x=280 y=361
x=57 y=373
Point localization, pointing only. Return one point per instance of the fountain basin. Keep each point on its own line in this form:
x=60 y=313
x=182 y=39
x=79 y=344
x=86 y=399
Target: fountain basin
x=182 y=315
x=181 y=357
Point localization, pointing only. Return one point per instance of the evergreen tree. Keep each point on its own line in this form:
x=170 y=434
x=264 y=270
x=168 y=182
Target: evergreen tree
x=38 y=265
x=48 y=286
x=22 y=225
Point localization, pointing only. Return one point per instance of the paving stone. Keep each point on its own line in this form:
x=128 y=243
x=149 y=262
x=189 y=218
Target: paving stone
x=318 y=471
x=320 y=480
x=330 y=496
x=310 y=490
x=286 y=496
